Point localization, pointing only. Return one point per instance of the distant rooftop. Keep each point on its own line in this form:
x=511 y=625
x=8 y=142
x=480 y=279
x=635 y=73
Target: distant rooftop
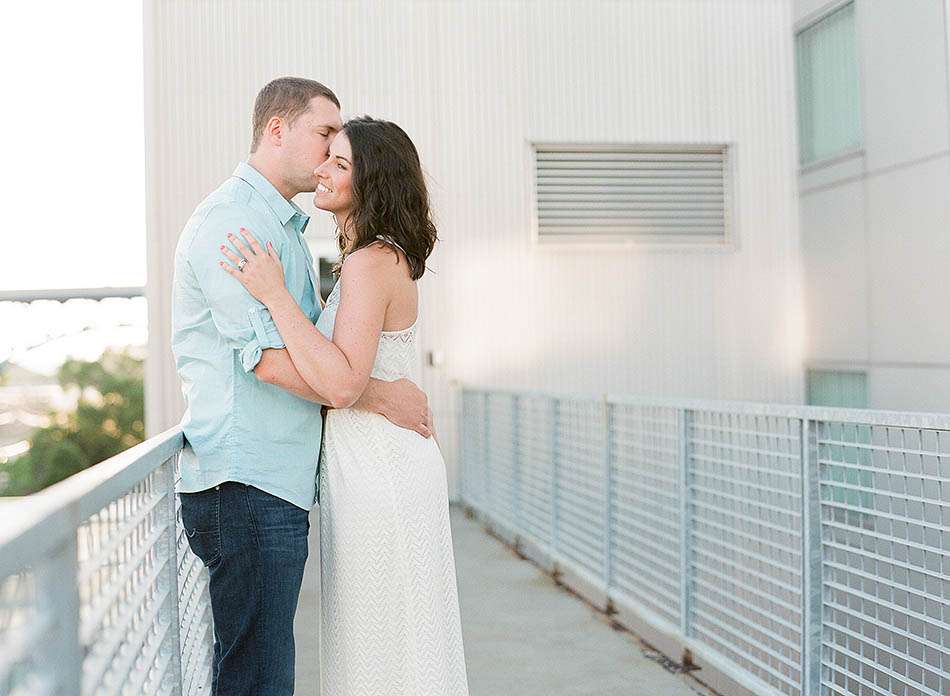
x=63 y=294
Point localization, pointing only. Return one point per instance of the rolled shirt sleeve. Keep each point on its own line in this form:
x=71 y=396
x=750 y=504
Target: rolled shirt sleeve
x=240 y=319
x=265 y=336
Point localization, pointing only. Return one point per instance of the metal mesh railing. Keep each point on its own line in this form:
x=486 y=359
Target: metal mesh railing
x=124 y=595
x=99 y=592
x=645 y=516
x=194 y=617
x=745 y=496
x=24 y=626
x=799 y=550
x=535 y=451
x=885 y=536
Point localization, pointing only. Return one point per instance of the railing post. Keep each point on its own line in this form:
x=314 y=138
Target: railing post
x=516 y=462
x=462 y=436
x=811 y=560
x=57 y=595
x=486 y=453
x=555 y=487
x=685 y=521
x=167 y=546
x=608 y=488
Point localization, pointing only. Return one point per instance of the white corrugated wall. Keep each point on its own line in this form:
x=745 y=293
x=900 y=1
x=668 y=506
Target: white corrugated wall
x=473 y=83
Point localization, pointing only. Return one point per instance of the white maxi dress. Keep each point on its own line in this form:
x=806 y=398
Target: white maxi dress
x=390 y=621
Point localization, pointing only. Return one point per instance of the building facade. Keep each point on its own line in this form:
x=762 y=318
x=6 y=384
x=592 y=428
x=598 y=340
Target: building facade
x=478 y=86
x=874 y=109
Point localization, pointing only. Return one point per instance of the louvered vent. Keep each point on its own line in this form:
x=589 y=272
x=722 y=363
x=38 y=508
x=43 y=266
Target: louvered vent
x=664 y=194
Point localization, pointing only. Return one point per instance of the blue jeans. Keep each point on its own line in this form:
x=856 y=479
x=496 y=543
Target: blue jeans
x=254 y=545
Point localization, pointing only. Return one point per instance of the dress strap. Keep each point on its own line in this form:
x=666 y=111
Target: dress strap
x=386 y=239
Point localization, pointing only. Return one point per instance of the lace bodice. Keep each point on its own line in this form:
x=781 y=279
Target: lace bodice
x=397 y=349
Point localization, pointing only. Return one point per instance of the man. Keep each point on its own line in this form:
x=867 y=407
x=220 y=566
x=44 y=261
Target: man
x=252 y=424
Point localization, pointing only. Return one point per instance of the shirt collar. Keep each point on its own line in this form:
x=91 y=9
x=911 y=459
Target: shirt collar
x=284 y=210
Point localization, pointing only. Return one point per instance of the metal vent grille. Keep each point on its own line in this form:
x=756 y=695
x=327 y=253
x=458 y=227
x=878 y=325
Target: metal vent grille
x=663 y=194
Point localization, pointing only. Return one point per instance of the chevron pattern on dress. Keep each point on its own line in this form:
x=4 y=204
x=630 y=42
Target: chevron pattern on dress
x=390 y=623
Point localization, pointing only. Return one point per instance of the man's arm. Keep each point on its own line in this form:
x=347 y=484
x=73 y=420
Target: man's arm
x=243 y=322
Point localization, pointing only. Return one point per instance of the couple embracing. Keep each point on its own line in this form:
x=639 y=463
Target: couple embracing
x=260 y=355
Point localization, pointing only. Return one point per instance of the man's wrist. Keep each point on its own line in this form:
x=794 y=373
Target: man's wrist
x=385 y=406
x=373 y=399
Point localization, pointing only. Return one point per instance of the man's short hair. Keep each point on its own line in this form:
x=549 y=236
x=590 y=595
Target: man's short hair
x=288 y=98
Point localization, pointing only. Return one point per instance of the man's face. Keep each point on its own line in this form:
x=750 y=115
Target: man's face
x=305 y=144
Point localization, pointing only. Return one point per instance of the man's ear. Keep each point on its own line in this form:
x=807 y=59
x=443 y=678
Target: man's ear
x=274 y=130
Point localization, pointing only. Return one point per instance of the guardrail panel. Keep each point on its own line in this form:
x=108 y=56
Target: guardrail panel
x=501 y=451
x=24 y=626
x=123 y=628
x=582 y=485
x=536 y=457
x=474 y=428
x=645 y=508
x=746 y=539
x=194 y=614
x=885 y=512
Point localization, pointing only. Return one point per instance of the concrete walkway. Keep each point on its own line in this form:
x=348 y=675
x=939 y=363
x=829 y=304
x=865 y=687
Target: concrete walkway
x=523 y=634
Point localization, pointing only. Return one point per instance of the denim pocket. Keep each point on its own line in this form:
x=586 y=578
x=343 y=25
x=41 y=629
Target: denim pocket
x=279 y=526
x=200 y=518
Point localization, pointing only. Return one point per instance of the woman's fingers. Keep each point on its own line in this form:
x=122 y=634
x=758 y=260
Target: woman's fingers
x=252 y=241
x=230 y=269
x=230 y=254
x=239 y=246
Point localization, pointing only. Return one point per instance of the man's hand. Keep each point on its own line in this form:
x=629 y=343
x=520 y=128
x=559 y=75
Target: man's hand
x=401 y=403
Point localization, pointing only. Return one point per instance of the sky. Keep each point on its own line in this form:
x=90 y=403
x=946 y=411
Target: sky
x=73 y=117
x=74 y=176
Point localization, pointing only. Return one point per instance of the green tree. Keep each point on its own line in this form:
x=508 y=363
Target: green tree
x=109 y=418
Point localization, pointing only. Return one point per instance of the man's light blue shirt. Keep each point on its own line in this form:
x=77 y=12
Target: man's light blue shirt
x=236 y=427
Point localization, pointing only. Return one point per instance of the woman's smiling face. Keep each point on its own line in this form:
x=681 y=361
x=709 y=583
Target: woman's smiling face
x=334 y=179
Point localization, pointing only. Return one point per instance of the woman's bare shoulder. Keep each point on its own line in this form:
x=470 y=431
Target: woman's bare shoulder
x=378 y=259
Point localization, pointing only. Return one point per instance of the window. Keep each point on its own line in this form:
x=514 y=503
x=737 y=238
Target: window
x=325 y=266
x=838 y=389
x=662 y=194
x=851 y=482
x=828 y=96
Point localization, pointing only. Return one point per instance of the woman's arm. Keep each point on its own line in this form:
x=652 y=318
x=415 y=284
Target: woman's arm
x=400 y=402
x=278 y=369
x=338 y=369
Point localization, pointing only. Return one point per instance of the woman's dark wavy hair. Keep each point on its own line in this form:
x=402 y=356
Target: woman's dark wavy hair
x=390 y=198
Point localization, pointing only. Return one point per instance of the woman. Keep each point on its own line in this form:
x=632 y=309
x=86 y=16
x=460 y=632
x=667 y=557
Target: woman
x=390 y=602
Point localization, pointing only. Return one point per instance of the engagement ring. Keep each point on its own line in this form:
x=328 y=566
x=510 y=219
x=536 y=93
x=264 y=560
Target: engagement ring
x=241 y=264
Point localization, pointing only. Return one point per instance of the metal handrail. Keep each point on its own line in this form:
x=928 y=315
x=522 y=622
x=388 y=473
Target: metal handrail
x=93 y=571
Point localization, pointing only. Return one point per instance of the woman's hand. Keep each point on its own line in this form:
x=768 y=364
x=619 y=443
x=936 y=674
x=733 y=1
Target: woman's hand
x=260 y=271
